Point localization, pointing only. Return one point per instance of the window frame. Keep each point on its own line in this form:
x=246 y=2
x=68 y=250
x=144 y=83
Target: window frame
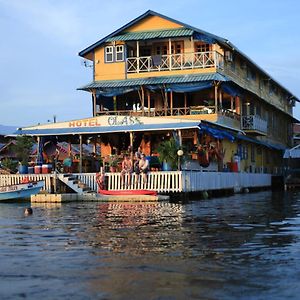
x=119 y=52
x=109 y=53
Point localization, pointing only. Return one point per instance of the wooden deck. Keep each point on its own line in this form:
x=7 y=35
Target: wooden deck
x=164 y=182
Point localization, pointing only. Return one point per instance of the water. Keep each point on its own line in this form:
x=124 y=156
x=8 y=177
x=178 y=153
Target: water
x=241 y=247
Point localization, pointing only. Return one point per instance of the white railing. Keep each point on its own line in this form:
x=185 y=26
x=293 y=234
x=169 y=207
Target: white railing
x=204 y=181
x=17 y=178
x=253 y=122
x=162 y=181
x=88 y=179
x=180 y=61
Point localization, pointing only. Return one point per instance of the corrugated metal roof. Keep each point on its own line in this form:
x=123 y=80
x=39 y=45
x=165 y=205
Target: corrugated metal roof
x=148 y=35
x=108 y=129
x=154 y=81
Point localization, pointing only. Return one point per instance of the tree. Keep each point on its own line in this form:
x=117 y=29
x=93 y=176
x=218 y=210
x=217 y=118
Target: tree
x=23 y=148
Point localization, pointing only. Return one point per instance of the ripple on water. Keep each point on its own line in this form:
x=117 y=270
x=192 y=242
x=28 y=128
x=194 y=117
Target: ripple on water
x=213 y=249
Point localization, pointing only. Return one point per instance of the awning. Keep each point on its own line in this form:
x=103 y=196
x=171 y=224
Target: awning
x=151 y=81
x=108 y=129
x=216 y=132
x=261 y=143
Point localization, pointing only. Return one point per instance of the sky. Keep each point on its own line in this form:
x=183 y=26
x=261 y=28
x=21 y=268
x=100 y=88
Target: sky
x=40 y=69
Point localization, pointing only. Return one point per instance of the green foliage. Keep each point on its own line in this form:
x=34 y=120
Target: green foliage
x=167 y=151
x=23 y=148
x=113 y=161
x=9 y=164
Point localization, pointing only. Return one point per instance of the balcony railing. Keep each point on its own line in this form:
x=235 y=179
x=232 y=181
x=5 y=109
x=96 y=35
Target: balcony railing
x=254 y=123
x=178 y=111
x=180 y=61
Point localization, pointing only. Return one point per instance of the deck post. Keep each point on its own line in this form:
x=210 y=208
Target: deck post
x=170 y=55
x=94 y=103
x=137 y=57
x=185 y=102
x=143 y=100
x=148 y=100
x=216 y=97
x=171 y=102
x=80 y=153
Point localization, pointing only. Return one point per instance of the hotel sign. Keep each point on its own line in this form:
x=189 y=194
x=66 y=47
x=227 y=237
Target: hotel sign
x=107 y=121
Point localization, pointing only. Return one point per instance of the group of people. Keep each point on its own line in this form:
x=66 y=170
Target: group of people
x=140 y=166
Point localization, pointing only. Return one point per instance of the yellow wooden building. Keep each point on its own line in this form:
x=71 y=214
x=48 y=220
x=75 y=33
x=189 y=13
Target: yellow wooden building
x=156 y=66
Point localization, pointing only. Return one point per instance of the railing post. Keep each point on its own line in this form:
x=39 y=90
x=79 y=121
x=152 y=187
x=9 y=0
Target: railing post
x=138 y=57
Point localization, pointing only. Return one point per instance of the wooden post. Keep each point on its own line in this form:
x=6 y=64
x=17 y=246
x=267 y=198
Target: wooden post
x=231 y=103
x=137 y=56
x=238 y=106
x=220 y=99
x=143 y=100
x=149 y=102
x=115 y=103
x=80 y=153
x=216 y=98
x=94 y=103
x=38 y=149
x=170 y=55
x=180 y=137
x=185 y=102
x=166 y=102
x=171 y=102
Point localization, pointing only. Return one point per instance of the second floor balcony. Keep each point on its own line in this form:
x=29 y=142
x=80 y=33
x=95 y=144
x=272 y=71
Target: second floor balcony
x=179 y=61
x=255 y=124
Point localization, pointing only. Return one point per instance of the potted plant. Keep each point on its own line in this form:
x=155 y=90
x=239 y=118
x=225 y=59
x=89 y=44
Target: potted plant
x=23 y=149
x=167 y=151
x=113 y=163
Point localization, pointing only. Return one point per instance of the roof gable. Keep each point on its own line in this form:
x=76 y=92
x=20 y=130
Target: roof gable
x=153 y=22
x=147 y=21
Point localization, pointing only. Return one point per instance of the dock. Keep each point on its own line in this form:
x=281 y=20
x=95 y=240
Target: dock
x=94 y=197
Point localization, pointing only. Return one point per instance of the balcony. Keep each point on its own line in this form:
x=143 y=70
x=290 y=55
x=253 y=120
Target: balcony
x=170 y=62
x=254 y=124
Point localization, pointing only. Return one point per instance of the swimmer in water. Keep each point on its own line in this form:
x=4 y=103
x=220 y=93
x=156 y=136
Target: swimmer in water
x=28 y=211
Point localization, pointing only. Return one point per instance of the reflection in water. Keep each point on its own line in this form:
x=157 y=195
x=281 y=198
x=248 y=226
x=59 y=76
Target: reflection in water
x=245 y=246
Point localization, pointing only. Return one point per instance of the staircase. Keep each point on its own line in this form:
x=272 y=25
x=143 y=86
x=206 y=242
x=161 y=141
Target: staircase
x=73 y=183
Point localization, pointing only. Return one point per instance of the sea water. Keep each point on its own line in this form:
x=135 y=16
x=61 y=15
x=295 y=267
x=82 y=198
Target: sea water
x=245 y=246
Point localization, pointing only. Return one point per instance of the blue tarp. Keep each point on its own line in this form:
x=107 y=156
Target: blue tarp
x=230 y=89
x=216 y=133
x=115 y=91
x=182 y=88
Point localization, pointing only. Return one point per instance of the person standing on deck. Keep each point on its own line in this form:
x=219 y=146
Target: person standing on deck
x=126 y=170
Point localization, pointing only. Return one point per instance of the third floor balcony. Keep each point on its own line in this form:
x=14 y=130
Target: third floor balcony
x=179 y=61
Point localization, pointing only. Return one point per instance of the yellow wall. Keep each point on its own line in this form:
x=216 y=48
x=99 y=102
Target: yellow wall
x=153 y=23
x=107 y=71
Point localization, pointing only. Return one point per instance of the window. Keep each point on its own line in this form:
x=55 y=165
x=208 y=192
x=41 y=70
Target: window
x=119 y=53
x=109 y=54
x=202 y=47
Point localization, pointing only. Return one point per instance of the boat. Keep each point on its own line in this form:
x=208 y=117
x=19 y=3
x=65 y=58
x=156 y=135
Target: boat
x=20 y=191
x=127 y=192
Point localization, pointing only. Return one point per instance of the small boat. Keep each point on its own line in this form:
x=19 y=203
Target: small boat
x=127 y=192
x=20 y=191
